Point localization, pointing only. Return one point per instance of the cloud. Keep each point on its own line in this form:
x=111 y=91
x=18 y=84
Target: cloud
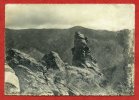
x=96 y=16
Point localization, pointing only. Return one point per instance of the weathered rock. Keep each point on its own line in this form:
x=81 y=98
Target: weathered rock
x=11 y=81
x=52 y=60
x=56 y=79
x=32 y=83
x=15 y=57
x=82 y=81
x=29 y=73
x=81 y=52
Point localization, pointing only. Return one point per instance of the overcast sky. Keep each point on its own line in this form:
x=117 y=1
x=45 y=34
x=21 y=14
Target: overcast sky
x=95 y=16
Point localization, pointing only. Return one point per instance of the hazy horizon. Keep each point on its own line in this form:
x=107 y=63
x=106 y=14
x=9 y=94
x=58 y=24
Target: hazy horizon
x=62 y=16
x=64 y=28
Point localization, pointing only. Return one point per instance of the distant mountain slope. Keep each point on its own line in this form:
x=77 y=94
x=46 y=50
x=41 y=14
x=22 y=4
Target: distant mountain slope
x=59 y=40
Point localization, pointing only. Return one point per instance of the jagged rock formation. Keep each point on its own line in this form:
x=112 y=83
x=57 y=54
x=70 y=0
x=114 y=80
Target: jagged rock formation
x=15 y=57
x=82 y=55
x=29 y=73
x=32 y=83
x=81 y=51
x=35 y=78
x=52 y=60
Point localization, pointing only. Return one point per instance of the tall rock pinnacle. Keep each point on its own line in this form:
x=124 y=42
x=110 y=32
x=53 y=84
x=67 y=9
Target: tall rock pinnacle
x=81 y=52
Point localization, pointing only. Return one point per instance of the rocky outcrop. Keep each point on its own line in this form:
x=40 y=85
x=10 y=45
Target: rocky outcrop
x=81 y=51
x=33 y=77
x=82 y=55
x=52 y=60
x=32 y=83
x=29 y=73
x=51 y=76
x=15 y=57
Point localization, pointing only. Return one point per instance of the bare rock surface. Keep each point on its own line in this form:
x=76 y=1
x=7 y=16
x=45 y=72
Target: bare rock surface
x=54 y=78
x=11 y=81
x=52 y=60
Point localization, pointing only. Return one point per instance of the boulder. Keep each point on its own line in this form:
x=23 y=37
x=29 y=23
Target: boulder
x=52 y=60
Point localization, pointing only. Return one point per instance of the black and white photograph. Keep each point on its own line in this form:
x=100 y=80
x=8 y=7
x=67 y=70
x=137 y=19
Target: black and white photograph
x=69 y=49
